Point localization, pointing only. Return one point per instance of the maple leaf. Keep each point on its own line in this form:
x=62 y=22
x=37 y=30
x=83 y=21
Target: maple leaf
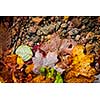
x=81 y=62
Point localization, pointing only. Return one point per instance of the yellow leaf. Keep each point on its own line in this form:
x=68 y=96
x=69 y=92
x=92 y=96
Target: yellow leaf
x=81 y=62
x=29 y=68
x=20 y=62
x=78 y=50
x=66 y=18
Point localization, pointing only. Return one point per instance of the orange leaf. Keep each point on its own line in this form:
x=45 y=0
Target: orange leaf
x=37 y=20
x=13 y=77
x=29 y=68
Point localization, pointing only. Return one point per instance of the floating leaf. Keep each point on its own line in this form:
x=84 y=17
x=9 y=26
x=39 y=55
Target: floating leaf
x=25 y=52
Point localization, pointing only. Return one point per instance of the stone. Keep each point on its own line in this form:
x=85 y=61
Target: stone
x=83 y=27
x=74 y=31
x=35 y=39
x=39 y=32
x=51 y=28
x=64 y=25
x=45 y=31
x=77 y=37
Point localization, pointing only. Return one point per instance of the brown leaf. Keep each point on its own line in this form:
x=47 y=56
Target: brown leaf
x=11 y=60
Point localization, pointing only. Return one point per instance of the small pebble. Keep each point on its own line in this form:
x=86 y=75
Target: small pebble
x=77 y=37
x=39 y=33
x=64 y=25
x=83 y=27
x=45 y=31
